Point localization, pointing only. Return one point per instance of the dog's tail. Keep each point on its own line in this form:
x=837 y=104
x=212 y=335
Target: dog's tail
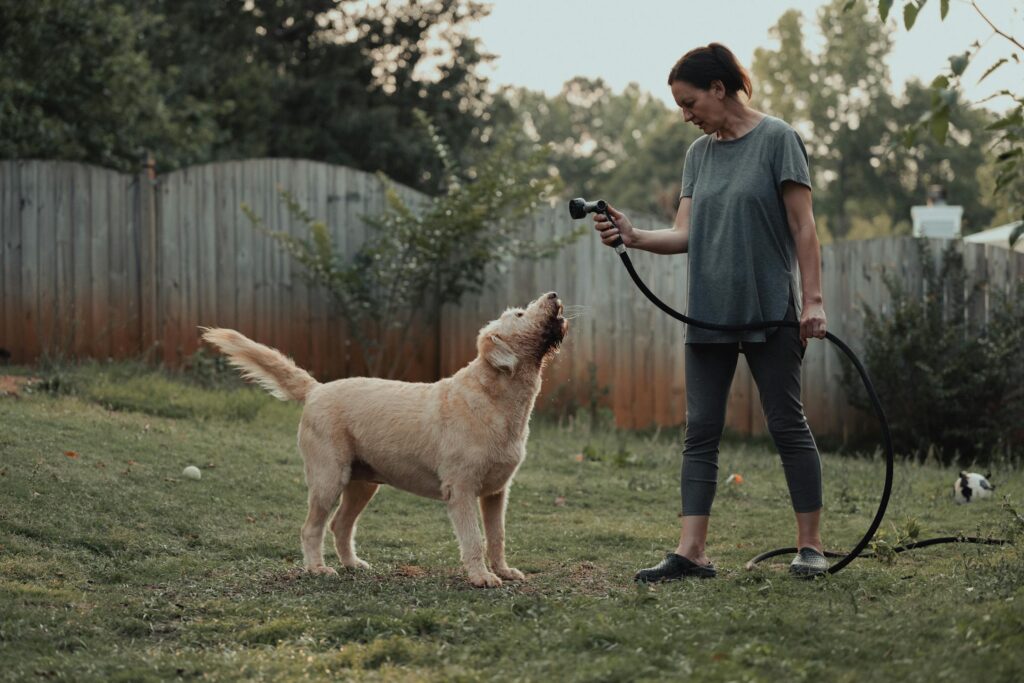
x=268 y=367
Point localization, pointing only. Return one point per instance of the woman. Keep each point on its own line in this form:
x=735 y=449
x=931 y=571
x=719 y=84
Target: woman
x=746 y=221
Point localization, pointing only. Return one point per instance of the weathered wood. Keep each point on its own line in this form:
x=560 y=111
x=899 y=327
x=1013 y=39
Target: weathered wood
x=98 y=263
x=28 y=317
x=11 y=339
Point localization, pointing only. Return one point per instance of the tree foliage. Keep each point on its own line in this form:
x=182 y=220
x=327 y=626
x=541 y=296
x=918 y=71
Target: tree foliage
x=200 y=80
x=868 y=173
x=76 y=83
x=421 y=257
x=1008 y=130
x=627 y=147
x=950 y=388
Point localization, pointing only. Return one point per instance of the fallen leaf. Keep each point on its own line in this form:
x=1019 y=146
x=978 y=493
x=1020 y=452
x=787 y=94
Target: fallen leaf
x=71 y=454
x=560 y=501
x=579 y=457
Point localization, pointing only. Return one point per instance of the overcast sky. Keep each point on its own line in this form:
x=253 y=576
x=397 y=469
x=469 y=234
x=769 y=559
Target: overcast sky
x=542 y=43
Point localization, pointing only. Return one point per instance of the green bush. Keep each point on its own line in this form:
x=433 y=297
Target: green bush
x=949 y=389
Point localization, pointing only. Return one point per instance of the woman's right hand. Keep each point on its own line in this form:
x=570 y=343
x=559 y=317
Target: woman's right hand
x=609 y=233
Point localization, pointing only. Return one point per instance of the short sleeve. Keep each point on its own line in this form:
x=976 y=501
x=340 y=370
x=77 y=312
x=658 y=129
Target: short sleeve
x=690 y=169
x=791 y=160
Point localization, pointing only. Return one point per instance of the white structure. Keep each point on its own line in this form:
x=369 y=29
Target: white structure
x=999 y=236
x=937 y=220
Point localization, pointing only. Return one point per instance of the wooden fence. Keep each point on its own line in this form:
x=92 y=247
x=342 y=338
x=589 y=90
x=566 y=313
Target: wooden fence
x=103 y=264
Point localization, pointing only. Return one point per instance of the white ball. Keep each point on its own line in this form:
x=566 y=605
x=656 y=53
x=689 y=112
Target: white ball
x=971 y=486
x=191 y=472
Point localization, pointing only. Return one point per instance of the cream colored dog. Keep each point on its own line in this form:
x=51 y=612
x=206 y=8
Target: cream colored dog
x=459 y=440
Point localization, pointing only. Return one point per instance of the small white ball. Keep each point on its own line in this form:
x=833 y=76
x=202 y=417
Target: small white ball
x=191 y=472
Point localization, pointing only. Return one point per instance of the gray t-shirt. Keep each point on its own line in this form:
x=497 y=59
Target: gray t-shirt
x=742 y=258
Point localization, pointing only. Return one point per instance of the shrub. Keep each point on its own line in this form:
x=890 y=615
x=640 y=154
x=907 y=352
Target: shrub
x=420 y=258
x=948 y=388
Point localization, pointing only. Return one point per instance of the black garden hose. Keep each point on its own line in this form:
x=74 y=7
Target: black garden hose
x=876 y=404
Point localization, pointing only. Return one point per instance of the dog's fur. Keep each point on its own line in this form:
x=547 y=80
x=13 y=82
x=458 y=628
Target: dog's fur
x=459 y=440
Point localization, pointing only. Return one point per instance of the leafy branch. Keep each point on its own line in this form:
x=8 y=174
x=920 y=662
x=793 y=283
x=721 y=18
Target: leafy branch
x=1008 y=145
x=423 y=254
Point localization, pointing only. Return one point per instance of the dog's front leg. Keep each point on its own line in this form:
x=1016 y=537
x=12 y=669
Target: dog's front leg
x=462 y=510
x=493 y=509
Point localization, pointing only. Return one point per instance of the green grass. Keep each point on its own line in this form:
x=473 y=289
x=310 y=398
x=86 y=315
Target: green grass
x=114 y=567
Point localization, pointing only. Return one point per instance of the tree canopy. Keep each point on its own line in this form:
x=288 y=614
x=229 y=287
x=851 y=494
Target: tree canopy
x=199 y=80
x=338 y=80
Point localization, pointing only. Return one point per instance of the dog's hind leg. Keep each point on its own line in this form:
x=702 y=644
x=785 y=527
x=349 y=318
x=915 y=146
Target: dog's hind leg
x=354 y=499
x=462 y=508
x=493 y=509
x=327 y=474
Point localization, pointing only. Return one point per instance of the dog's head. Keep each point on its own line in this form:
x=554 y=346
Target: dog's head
x=524 y=336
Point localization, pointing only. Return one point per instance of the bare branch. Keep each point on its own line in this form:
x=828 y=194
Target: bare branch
x=1004 y=35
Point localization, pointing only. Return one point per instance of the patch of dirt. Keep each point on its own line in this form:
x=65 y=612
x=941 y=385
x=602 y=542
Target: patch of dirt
x=12 y=385
x=411 y=570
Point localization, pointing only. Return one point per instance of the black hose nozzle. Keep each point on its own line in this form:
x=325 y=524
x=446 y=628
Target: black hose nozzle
x=580 y=207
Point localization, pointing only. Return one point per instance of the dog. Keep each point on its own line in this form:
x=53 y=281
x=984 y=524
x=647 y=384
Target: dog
x=459 y=440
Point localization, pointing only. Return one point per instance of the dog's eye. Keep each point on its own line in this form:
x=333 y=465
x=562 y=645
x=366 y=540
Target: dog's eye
x=519 y=314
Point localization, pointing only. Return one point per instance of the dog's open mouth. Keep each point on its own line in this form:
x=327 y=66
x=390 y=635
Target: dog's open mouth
x=557 y=327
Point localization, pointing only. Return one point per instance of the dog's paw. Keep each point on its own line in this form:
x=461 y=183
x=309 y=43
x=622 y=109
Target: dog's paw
x=322 y=570
x=357 y=564
x=485 y=580
x=510 y=574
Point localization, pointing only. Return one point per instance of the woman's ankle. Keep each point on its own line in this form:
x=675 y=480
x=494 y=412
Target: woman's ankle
x=810 y=543
x=693 y=554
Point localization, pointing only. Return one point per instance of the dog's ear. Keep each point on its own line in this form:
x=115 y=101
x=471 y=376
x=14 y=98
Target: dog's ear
x=499 y=354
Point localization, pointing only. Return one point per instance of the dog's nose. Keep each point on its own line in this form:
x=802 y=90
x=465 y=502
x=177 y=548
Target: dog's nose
x=553 y=295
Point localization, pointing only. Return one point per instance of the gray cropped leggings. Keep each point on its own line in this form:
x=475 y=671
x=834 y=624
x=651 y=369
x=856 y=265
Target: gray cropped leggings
x=775 y=365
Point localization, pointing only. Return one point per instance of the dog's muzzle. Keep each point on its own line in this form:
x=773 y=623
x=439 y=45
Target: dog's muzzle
x=557 y=325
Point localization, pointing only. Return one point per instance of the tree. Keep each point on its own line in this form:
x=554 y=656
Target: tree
x=76 y=83
x=958 y=164
x=1009 y=143
x=626 y=147
x=201 y=80
x=841 y=99
x=421 y=258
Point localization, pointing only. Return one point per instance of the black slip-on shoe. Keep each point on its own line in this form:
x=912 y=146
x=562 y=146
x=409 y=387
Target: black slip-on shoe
x=807 y=563
x=674 y=567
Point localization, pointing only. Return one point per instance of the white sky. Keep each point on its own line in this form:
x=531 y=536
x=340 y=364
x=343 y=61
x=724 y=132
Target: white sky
x=543 y=43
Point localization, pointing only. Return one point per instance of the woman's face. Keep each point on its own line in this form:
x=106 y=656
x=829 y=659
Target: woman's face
x=703 y=108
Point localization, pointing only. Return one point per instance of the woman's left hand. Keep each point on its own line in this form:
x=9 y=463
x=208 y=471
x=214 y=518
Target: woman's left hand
x=812 y=322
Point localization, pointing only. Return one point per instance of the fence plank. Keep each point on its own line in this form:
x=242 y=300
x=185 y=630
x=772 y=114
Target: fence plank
x=29 y=177
x=11 y=339
x=82 y=263
x=171 y=272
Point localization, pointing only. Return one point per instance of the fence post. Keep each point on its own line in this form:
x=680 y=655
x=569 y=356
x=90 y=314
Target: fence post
x=148 y=305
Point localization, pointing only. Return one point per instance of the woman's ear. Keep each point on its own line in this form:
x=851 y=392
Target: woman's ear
x=499 y=354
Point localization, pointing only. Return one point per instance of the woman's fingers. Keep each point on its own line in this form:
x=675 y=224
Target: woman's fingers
x=813 y=327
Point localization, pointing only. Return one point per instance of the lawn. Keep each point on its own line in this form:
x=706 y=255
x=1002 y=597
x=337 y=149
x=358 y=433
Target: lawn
x=113 y=566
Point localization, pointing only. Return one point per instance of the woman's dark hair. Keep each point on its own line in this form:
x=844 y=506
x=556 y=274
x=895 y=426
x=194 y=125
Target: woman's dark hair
x=702 y=65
